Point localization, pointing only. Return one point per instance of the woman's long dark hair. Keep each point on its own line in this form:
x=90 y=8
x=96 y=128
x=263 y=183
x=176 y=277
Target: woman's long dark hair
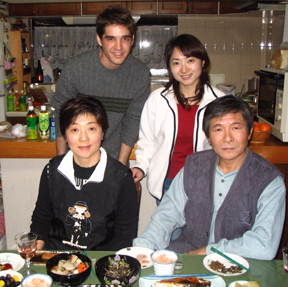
x=189 y=46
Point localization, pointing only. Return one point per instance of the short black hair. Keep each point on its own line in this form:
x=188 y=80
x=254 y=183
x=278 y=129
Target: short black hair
x=115 y=15
x=225 y=105
x=81 y=105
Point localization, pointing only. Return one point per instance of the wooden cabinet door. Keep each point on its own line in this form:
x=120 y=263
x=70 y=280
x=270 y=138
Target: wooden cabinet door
x=22 y=9
x=142 y=7
x=202 y=7
x=172 y=7
x=227 y=7
x=94 y=8
x=52 y=9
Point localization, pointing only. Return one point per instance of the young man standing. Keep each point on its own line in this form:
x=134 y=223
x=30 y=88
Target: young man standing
x=111 y=74
x=229 y=197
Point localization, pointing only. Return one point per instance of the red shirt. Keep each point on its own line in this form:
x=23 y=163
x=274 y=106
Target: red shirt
x=184 y=140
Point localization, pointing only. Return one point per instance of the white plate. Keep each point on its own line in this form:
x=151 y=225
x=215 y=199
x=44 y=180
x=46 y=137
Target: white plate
x=232 y=284
x=15 y=260
x=134 y=251
x=12 y=273
x=149 y=281
x=216 y=257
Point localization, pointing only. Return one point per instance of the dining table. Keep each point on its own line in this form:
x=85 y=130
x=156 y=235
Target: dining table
x=268 y=273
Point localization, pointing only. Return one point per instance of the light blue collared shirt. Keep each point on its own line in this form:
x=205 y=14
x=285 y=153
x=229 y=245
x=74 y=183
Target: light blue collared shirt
x=257 y=243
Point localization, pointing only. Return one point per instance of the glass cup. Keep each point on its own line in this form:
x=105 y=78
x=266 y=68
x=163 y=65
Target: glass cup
x=285 y=258
x=26 y=244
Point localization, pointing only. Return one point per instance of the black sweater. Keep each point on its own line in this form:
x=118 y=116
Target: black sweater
x=100 y=216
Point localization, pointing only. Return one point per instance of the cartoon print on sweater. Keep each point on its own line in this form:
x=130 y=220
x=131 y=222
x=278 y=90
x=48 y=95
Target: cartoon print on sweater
x=78 y=224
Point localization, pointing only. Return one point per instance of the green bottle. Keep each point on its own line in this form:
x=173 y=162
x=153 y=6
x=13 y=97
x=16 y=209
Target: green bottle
x=43 y=123
x=31 y=120
x=10 y=102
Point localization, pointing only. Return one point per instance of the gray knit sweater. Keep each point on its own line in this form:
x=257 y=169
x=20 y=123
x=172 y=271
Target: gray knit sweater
x=122 y=91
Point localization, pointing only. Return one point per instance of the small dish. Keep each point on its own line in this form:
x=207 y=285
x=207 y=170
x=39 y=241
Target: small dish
x=12 y=273
x=15 y=260
x=139 y=253
x=216 y=257
x=39 y=277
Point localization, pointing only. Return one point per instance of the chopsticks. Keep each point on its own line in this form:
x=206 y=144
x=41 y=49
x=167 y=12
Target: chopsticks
x=229 y=258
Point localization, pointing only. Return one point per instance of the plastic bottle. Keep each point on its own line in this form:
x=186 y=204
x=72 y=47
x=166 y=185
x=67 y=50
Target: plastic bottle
x=16 y=101
x=10 y=102
x=22 y=102
x=39 y=73
x=43 y=123
x=29 y=102
x=31 y=120
x=52 y=124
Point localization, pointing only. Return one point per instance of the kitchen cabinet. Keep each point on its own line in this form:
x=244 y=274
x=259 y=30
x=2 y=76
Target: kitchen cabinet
x=22 y=9
x=94 y=8
x=227 y=7
x=209 y=7
x=53 y=9
x=16 y=49
x=142 y=7
x=46 y=9
x=172 y=7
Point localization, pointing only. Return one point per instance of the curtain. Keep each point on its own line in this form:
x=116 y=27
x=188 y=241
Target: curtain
x=63 y=42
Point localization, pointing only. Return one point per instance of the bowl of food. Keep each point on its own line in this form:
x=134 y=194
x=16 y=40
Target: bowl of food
x=261 y=133
x=11 y=278
x=69 y=269
x=118 y=269
x=164 y=262
x=37 y=280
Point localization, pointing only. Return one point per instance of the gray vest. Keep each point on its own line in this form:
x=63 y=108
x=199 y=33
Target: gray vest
x=239 y=209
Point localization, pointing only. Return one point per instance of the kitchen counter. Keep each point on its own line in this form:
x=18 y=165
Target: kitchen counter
x=273 y=150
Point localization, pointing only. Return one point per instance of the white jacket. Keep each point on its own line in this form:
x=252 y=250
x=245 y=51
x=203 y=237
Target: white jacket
x=158 y=132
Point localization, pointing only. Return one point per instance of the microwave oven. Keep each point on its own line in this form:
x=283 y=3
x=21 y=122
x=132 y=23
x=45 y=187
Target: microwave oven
x=273 y=101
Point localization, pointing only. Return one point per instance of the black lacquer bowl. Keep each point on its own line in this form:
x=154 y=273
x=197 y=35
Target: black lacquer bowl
x=103 y=264
x=68 y=280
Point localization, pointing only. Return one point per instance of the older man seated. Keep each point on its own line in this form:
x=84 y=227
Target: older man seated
x=229 y=197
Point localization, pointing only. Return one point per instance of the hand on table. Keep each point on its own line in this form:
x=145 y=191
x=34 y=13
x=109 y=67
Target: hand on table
x=200 y=251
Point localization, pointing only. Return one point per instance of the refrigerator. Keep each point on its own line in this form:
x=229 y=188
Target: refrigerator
x=5 y=60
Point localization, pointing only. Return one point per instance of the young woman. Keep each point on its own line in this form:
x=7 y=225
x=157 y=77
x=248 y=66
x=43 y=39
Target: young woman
x=171 y=120
x=87 y=200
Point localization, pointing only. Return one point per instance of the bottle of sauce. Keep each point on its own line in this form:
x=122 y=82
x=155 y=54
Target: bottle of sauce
x=39 y=73
x=52 y=124
x=10 y=102
x=43 y=123
x=31 y=120
x=22 y=102
x=16 y=101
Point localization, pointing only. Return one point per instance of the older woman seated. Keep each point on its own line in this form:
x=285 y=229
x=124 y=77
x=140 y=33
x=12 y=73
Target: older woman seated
x=87 y=200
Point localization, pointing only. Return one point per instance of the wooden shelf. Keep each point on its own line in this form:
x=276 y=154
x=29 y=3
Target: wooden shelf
x=16 y=48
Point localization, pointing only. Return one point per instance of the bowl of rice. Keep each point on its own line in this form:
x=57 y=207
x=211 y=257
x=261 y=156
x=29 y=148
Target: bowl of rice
x=164 y=262
x=37 y=280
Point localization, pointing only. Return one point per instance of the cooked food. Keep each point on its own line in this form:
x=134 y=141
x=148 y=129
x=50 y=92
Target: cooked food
x=73 y=265
x=6 y=266
x=8 y=280
x=183 y=282
x=47 y=256
x=163 y=258
x=118 y=268
x=36 y=282
x=220 y=267
x=248 y=284
x=142 y=258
